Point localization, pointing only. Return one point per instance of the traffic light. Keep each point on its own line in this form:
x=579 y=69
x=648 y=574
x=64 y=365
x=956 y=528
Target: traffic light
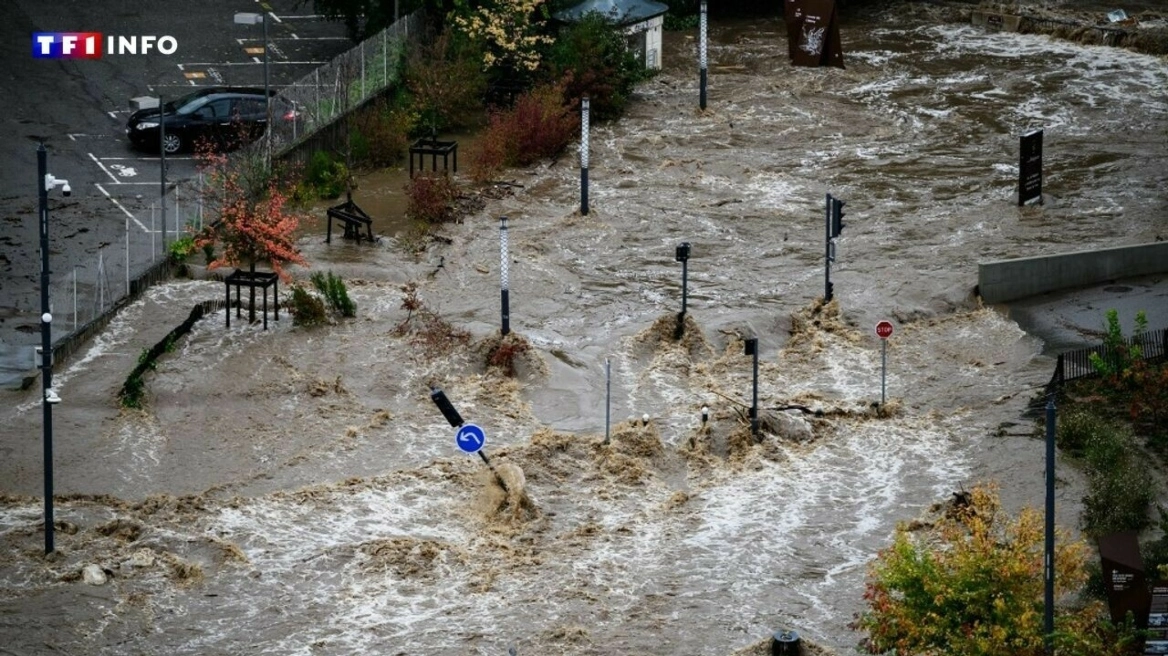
x=837 y=217
x=750 y=346
x=682 y=253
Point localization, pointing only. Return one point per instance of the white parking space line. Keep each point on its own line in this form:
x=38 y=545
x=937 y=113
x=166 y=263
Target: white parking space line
x=121 y=207
x=113 y=115
x=275 y=17
x=169 y=158
x=295 y=16
x=103 y=168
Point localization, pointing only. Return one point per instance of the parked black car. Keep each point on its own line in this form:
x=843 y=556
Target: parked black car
x=223 y=117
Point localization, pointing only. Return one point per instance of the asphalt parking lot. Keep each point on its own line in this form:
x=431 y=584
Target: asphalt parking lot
x=78 y=108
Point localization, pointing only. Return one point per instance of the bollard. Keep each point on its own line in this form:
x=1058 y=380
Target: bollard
x=705 y=414
x=785 y=643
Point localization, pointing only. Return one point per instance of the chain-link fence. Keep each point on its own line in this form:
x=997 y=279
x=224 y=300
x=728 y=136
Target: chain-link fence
x=340 y=86
x=85 y=297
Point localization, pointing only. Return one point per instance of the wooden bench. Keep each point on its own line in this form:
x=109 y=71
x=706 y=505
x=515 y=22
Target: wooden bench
x=353 y=218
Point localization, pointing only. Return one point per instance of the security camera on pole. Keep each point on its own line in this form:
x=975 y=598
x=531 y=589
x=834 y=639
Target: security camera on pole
x=49 y=397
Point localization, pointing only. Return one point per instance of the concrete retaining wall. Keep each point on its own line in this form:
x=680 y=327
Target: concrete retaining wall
x=1008 y=280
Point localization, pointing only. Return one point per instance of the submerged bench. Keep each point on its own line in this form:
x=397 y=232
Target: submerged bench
x=353 y=218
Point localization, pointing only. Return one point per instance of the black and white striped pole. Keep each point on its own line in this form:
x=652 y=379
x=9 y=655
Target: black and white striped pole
x=584 y=110
x=702 y=55
x=752 y=349
x=504 y=276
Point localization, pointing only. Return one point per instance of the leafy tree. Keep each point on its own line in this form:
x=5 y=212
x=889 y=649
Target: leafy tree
x=250 y=224
x=446 y=81
x=973 y=586
x=509 y=30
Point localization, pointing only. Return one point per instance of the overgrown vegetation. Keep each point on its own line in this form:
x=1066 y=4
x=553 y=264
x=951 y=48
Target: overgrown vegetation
x=324 y=178
x=427 y=330
x=971 y=584
x=1121 y=489
x=430 y=198
x=539 y=125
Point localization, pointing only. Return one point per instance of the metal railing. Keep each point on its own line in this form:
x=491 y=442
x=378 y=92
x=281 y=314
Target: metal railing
x=1152 y=346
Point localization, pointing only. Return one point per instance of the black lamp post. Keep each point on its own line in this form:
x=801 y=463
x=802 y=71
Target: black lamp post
x=682 y=255
x=48 y=394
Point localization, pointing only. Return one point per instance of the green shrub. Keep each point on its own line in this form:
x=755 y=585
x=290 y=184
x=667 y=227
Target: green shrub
x=1120 y=486
x=325 y=177
x=334 y=291
x=591 y=58
x=306 y=309
x=180 y=249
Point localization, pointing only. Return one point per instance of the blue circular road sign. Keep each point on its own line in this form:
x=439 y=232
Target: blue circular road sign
x=470 y=438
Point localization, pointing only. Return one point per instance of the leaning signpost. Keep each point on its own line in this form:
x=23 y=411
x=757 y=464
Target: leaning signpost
x=883 y=331
x=469 y=438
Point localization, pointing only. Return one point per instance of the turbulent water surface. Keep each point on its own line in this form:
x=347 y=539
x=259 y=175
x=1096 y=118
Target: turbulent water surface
x=295 y=492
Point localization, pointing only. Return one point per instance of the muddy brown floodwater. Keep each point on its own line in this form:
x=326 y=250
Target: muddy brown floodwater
x=294 y=491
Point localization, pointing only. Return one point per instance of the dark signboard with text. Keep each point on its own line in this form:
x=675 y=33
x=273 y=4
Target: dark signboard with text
x=1030 y=169
x=1123 y=576
x=813 y=33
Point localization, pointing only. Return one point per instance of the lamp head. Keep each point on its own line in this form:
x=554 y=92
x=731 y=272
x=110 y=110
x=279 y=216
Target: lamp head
x=66 y=190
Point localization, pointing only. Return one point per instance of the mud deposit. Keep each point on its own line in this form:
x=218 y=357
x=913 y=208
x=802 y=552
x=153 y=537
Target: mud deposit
x=295 y=491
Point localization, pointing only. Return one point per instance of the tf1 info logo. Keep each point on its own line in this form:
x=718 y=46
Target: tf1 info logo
x=89 y=45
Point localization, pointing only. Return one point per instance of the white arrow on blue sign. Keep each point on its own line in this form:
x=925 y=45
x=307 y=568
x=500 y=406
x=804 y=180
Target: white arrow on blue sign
x=470 y=438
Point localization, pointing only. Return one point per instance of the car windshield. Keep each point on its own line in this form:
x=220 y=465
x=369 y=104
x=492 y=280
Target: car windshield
x=186 y=104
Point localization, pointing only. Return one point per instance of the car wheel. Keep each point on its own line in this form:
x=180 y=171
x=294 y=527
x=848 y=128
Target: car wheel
x=172 y=143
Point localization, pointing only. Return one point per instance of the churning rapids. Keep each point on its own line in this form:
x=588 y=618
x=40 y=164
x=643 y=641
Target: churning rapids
x=295 y=492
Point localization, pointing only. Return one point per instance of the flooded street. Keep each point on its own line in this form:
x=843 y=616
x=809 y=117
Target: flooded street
x=295 y=491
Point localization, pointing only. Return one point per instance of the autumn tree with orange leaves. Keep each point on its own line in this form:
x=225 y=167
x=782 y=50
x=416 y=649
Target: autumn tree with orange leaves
x=251 y=222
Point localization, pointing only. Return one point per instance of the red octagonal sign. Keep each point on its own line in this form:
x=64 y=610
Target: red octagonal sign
x=884 y=329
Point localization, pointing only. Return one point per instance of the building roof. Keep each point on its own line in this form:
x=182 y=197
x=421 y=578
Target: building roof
x=622 y=12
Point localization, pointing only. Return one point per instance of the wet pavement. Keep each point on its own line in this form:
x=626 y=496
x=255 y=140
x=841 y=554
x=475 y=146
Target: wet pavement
x=295 y=491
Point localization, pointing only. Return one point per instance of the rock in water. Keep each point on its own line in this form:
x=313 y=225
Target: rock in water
x=93 y=574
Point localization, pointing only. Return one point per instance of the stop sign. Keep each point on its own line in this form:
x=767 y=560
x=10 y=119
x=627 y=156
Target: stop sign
x=884 y=329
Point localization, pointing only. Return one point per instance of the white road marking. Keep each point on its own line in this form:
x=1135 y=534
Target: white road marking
x=257 y=60
x=180 y=67
x=275 y=17
x=120 y=206
x=113 y=116
x=103 y=168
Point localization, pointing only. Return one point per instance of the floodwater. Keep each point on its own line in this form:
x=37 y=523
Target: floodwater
x=295 y=492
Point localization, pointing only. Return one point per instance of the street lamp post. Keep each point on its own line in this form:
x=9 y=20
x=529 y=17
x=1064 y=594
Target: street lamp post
x=48 y=395
x=250 y=18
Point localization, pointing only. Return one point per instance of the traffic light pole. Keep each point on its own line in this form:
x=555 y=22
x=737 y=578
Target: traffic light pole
x=827 y=286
